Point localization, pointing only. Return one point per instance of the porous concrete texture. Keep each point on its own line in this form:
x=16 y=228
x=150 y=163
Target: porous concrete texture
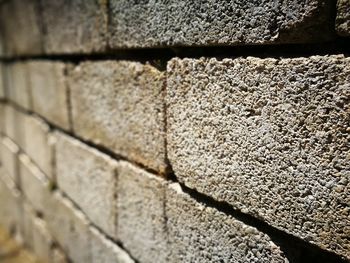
x=20 y=27
x=207 y=23
x=49 y=91
x=9 y=158
x=268 y=136
x=38 y=144
x=120 y=105
x=69 y=227
x=89 y=178
x=141 y=219
x=17 y=89
x=79 y=26
x=342 y=22
x=203 y=234
x=105 y=251
x=42 y=240
x=35 y=186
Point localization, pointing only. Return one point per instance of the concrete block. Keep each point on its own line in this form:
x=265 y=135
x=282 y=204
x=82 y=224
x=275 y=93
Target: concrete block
x=20 y=26
x=2 y=118
x=2 y=80
x=9 y=158
x=268 y=136
x=18 y=90
x=342 y=21
x=42 y=240
x=120 y=105
x=207 y=23
x=35 y=185
x=70 y=228
x=203 y=234
x=141 y=219
x=105 y=251
x=80 y=26
x=27 y=224
x=13 y=124
x=49 y=91
x=58 y=256
x=89 y=178
x=38 y=144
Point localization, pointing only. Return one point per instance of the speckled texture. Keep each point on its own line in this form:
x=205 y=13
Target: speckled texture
x=141 y=219
x=342 y=22
x=20 y=27
x=74 y=26
x=105 y=251
x=207 y=23
x=49 y=91
x=270 y=137
x=120 y=105
x=203 y=234
x=89 y=178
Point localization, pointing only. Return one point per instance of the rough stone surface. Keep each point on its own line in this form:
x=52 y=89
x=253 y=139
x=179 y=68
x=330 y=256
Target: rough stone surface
x=38 y=144
x=206 y=23
x=42 y=240
x=17 y=84
x=79 y=26
x=342 y=22
x=270 y=137
x=203 y=234
x=105 y=251
x=34 y=184
x=49 y=91
x=20 y=27
x=141 y=219
x=70 y=228
x=9 y=158
x=120 y=105
x=89 y=178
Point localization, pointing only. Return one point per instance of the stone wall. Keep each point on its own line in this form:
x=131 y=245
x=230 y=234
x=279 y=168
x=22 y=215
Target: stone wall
x=176 y=131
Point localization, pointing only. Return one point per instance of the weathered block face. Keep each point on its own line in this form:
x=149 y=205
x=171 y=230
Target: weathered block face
x=120 y=105
x=270 y=137
x=207 y=23
x=342 y=22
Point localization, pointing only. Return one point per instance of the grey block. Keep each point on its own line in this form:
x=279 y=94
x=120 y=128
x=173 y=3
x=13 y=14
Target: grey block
x=70 y=228
x=79 y=26
x=13 y=124
x=120 y=105
x=20 y=27
x=35 y=185
x=38 y=144
x=49 y=91
x=105 y=251
x=342 y=22
x=141 y=218
x=9 y=158
x=206 y=23
x=89 y=178
x=270 y=137
x=203 y=234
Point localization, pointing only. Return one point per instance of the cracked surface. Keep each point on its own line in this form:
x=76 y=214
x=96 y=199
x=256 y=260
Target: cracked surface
x=270 y=137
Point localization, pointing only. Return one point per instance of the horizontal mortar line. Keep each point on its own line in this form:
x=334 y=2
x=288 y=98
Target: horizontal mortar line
x=338 y=46
x=279 y=236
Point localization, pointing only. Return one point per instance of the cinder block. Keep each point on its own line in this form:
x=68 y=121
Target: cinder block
x=89 y=178
x=70 y=228
x=35 y=185
x=80 y=26
x=342 y=22
x=20 y=26
x=18 y=84
x=268 y=136
x=9 y=158
x=208 y=23
x=2 y=118
x=203 y=234
x=27 y=224
x=38 y=144
x=13 y=124
x=2 y=80
x=120 y=105
x=141 y=218
x=42 y=240
x=49 y=91
x=105 y=251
